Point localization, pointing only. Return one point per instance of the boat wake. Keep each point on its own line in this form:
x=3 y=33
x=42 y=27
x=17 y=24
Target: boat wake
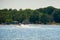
x=26 y=26
x=23 y=26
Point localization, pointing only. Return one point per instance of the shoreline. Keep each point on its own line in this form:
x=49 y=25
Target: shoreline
x=29 y=24
x=33 y=24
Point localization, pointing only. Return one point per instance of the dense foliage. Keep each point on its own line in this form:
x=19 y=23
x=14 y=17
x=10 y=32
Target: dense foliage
x=45 y=15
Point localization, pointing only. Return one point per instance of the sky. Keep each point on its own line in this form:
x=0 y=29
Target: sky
x=30 y=4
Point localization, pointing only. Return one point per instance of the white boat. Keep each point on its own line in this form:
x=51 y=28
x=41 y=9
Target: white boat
x=23 y=25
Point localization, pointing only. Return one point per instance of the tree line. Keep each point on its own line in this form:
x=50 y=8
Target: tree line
x=45 y=15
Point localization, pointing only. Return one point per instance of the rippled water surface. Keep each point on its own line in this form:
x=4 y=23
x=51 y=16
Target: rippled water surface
x=40 y=32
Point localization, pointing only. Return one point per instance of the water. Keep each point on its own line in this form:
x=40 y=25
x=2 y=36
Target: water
x=40 y=32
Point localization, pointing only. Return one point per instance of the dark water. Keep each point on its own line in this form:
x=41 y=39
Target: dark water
x=45 y=32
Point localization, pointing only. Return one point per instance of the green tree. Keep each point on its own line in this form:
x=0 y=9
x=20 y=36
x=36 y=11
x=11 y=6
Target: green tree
x=44 y=19
x=56 y=15
x=34 y=17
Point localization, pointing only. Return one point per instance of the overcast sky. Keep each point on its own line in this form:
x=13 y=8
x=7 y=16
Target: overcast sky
x=32 y=4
